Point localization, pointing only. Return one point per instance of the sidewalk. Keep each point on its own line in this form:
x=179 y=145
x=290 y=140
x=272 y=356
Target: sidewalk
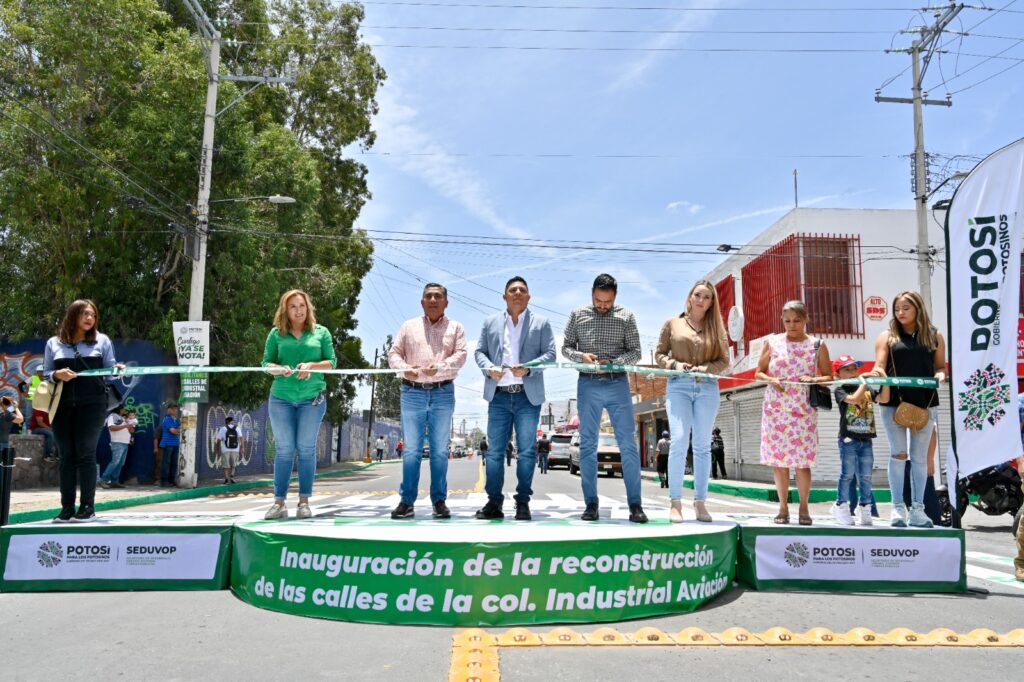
x=39 y=504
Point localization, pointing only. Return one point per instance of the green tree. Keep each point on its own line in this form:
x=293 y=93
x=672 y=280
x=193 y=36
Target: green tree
x=388 y=402
x=101 y=108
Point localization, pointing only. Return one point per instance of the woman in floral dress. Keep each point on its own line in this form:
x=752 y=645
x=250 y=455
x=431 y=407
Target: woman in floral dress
x=789 y=425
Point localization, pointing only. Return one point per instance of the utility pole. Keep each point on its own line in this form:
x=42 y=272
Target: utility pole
x=210 y=39
x=373 y=402
x=921 y=52
x=796 y=195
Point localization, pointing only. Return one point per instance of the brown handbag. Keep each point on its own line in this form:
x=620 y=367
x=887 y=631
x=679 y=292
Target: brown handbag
x=909 y=416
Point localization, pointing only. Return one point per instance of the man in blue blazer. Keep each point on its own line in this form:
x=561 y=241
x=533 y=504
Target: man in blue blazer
x=515 y=393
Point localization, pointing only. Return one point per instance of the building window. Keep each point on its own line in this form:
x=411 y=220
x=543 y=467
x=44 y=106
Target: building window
x=823 y=271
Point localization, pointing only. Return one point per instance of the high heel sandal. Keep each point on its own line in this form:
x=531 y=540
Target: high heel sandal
x=805 y=519
x=782 y=518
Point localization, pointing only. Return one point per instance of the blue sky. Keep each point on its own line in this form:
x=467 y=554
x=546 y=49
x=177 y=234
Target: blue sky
x=669 y=142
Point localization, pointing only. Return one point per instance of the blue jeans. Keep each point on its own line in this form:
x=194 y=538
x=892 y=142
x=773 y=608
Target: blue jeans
x=296 y=425
x=856 y=458
x=48 y=441
x=169 y=464
x=692 y=404
x=505 y=411
x=112 y=473
x=918 y=455
x=593 y=395
x=426 y=413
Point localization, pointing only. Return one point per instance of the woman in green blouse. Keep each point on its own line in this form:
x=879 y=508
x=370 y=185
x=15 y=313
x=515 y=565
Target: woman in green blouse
x=296 y=348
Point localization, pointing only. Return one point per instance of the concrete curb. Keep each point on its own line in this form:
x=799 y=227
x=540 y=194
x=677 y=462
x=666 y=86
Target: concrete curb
x=756 y=492
x=170 y=496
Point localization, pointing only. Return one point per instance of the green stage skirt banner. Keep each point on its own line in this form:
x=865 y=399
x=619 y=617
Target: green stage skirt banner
x=852 y=559
x=497 y=574
x=188 y=555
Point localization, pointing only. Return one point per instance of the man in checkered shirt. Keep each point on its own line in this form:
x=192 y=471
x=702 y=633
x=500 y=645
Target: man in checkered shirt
x=601 y=334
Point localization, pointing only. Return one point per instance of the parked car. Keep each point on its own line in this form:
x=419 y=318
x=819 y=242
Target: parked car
x=609 y=459
x=559 y=456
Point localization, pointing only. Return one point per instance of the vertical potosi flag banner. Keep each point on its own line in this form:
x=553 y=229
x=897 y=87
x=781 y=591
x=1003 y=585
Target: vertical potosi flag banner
x=983 y=245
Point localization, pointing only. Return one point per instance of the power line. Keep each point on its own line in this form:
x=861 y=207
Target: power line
x=630 y=8
x=589 y=48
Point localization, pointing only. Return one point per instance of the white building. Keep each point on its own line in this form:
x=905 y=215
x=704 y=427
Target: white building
x=846 y=265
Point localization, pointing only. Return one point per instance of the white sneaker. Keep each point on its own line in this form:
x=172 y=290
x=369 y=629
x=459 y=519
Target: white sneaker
x=864 y=515
x=898 y=518
x=841 y=513
x=278 y=510
x=918 y=519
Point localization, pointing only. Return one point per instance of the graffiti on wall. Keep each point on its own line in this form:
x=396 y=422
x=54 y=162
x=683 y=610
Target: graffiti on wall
x=16 y=368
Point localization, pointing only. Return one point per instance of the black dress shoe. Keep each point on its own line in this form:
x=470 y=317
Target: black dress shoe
x=523 y=511
x=441 y=510
x=403 y=511
x=636 y=514
x=590 y=513
x=490 y=511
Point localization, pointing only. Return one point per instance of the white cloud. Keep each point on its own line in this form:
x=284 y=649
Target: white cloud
x=417 y=153
x=635 y=70
x=688 y=206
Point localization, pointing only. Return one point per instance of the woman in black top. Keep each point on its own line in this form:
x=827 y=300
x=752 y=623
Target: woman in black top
x=77 y=424
x=911 y=347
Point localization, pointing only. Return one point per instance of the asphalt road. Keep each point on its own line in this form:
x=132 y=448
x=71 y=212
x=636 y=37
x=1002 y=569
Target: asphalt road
x=212 y=635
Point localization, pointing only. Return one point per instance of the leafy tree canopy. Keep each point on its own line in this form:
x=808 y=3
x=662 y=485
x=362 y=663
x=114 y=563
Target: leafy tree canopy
x=101 y=114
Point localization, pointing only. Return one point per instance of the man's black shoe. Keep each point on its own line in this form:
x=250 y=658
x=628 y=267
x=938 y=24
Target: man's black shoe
x=590 y=513
x=85 y=513
x=523 y=511
x=490 y=511
x=441 y=510
x=636 y=514
x=65 y=515
x=403 y=511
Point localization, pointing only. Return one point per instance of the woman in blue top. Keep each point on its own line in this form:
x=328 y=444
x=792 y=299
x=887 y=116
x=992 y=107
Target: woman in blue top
x=77 y=424
x=296 y=347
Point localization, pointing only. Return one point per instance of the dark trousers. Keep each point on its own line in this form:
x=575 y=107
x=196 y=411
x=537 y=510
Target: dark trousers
x=77 y=428
x=718 y=464
x=169 y=464
x=662 y=464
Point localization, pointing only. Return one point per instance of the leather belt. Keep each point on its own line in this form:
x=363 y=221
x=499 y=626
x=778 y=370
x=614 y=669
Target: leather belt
x=426 y=385
x=604 y=376
x=511 y=388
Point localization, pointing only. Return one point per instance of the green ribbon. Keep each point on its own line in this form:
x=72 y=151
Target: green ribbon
x=906 y=382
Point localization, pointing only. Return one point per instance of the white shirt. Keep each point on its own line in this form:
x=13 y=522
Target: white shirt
x=381 y=443
x=510 y=349
x=222 y=436
x=121 y=435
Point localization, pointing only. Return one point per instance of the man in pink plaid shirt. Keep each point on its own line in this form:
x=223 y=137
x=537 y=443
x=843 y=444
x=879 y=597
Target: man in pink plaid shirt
x=432 y=349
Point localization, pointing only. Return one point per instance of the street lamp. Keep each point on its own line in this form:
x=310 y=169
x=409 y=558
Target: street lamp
x=273 y=198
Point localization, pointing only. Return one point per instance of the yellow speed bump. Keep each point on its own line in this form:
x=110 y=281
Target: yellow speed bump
x=519 y=637
x=947 y=637
x=651 y=637
x=866 y=637
x=739 y=637
x=907 y=637
x=986 y=637
x=825 y=637
x=1016 y=636
x=562 y=637
x=474 y=637
x=783 y=637
x=606 y=637
x=695 y=637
